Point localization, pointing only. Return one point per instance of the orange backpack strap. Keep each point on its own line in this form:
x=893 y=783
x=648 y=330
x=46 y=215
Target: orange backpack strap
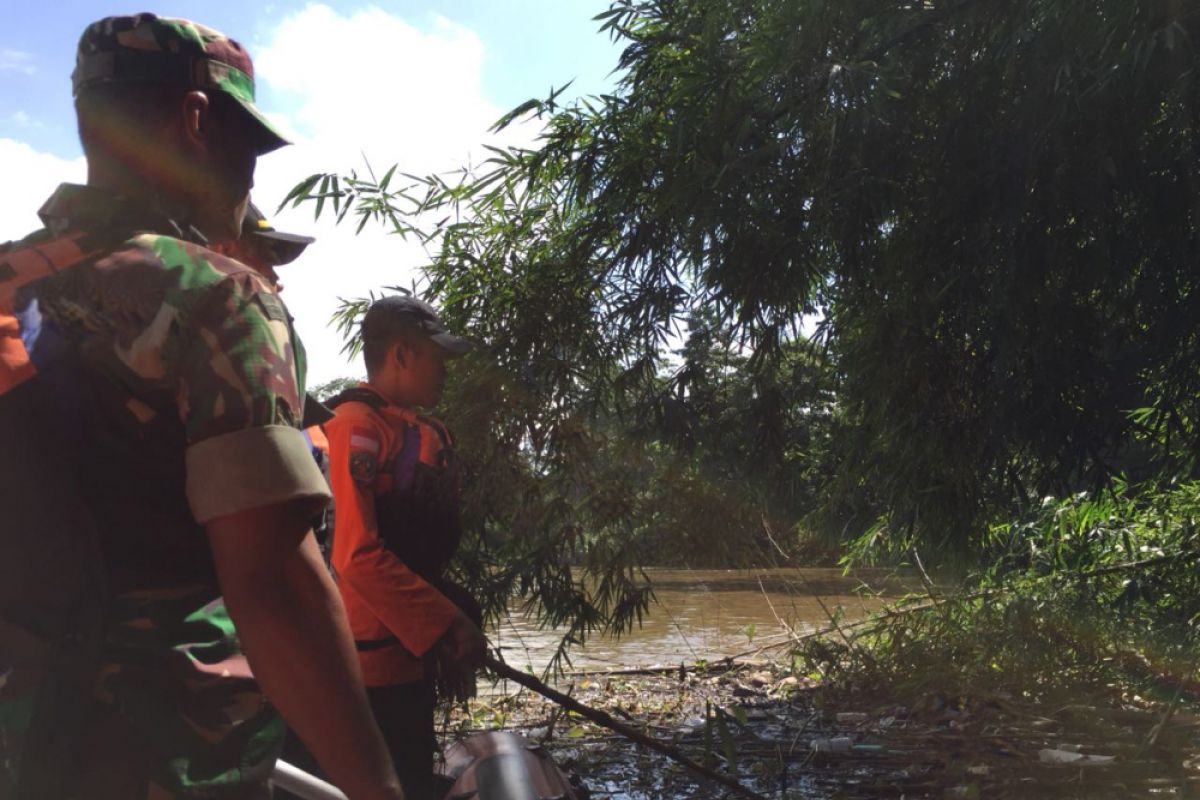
x=15 y=366
x=22 y=264
x=444 y=435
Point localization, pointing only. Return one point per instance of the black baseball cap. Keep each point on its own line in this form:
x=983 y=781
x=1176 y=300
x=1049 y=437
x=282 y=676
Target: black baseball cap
x=400 y=313
x=284 y=247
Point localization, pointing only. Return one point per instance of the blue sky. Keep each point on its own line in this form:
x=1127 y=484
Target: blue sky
x=413 y=83
x=528 y=45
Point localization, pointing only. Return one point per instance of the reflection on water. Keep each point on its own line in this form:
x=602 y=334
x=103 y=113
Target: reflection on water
x=710 y=614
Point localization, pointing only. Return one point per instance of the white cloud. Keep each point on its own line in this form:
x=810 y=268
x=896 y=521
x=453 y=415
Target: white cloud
x=16 y=61
x=31 y=175
x=22 y=119
x=367 y=83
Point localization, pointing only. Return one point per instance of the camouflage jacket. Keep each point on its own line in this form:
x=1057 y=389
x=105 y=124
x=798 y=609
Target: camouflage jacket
x=182 y=382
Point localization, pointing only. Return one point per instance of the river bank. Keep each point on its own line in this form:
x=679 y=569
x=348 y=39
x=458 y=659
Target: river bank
x=789 y=736
x=1065 y=670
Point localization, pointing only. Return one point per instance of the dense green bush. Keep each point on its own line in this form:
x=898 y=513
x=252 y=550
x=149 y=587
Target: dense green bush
x=1085 y=593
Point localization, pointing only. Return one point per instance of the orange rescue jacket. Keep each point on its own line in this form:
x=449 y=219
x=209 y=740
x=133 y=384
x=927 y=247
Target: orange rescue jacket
x=396 y=613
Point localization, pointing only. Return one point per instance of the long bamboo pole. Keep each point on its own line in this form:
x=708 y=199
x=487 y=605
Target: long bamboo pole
x=605 y=720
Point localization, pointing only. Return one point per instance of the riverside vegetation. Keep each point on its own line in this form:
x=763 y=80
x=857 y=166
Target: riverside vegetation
x=914 y=282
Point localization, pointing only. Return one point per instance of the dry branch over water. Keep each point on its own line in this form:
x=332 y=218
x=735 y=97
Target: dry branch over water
x=793 y=737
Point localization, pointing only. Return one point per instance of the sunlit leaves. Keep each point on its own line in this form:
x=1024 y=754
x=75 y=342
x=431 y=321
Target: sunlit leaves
x=992 y=205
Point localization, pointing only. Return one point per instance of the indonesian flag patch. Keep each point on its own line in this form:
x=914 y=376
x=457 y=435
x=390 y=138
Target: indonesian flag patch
x=364 y=454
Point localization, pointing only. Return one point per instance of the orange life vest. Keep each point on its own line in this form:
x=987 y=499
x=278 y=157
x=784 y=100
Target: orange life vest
x=20 y=266
x=396 y=524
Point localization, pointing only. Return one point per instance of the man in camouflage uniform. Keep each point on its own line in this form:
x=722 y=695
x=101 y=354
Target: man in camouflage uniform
x=174 y=384
x=263 y=249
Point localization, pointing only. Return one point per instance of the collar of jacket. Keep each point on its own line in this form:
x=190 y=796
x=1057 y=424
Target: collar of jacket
x=75 y=207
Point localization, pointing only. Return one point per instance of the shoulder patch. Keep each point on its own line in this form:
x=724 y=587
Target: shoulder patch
x=272 y=305
x=365 y=448
x=365 y=439
x=364 y=467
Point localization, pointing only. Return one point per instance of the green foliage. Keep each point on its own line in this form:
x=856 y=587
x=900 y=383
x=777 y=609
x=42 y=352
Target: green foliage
x=332 y=388
x=565 y=513
x=993 y=205
x=718 y=722
x=1019 y=276
x=1082 y=594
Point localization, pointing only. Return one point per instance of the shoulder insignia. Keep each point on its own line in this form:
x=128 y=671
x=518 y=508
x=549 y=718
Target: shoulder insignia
x=272 y=305
x=365 y=439
x=364 y=467
x=365 y=447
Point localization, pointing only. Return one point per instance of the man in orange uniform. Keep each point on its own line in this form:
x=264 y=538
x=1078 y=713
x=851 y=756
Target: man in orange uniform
x=396 y=493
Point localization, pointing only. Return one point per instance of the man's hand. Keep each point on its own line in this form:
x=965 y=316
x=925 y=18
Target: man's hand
x=464 y=643
x=459 y=652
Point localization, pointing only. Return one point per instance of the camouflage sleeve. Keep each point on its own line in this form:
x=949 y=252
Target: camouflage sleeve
x=241 y=400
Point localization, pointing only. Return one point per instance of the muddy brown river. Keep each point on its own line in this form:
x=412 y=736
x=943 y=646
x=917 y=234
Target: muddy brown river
x=711 y=614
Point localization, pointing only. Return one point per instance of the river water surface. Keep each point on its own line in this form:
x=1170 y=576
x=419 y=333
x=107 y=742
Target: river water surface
x=711 y=614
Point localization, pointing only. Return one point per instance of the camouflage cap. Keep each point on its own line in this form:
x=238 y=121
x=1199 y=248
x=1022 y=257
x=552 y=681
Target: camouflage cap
x=145 y=48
